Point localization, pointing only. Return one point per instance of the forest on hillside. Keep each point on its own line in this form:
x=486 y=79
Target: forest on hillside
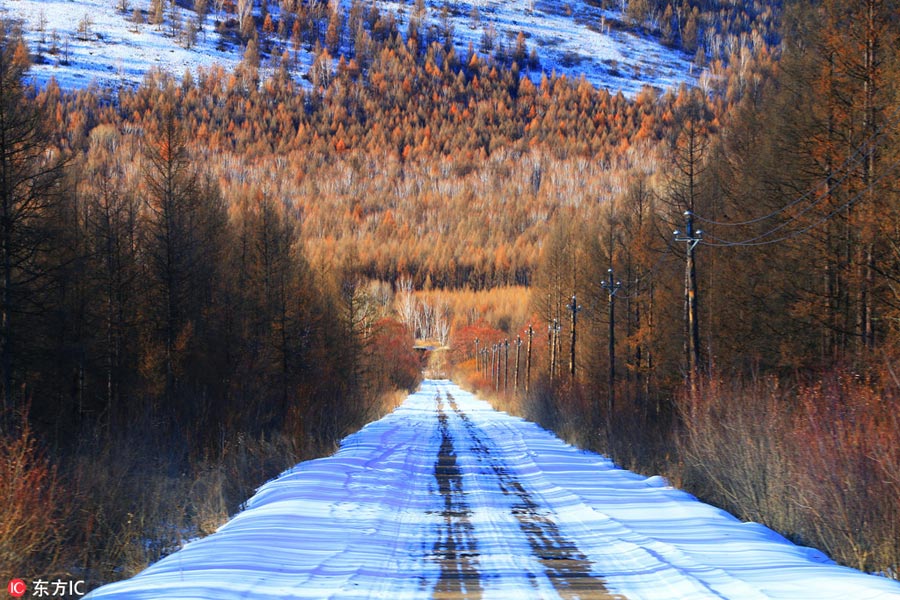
x=208 y=278
x=403 y=135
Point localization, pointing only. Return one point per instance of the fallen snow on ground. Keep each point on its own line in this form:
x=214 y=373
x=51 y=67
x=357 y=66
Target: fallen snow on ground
x=572 y=38
x=112 y=51
x=447 y=498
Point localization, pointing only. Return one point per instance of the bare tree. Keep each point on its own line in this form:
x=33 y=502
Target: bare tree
x=426 y=324
x=111 y=215
x=85 y=25
x=201 y=7
x=685 y=192
x=183 y=218
x=157 y=12
x=30 y=176
x=405 y=301
x=442 y=323
x=245 y=18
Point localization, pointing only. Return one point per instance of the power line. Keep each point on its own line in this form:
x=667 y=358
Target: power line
x=632 y=285
x=755 y=241
x=856 y=158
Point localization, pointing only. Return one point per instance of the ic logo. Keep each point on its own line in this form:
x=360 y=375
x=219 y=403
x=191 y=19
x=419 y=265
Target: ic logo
x=16 y=588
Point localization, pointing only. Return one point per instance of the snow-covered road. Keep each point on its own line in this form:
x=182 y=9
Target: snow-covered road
x=447 y=498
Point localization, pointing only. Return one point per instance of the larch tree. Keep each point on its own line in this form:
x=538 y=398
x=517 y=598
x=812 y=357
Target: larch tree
x=184 y=219
x=281 y=273
x=31 y=171
x=684 y=194
x=111 y=220
x=836 y=137
x=556 y=280
x=641 y=254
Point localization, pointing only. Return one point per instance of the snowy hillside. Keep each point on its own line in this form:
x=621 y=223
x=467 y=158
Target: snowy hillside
x=448 y=498
x=573 y=38
x=110 y=50
x=112 y=42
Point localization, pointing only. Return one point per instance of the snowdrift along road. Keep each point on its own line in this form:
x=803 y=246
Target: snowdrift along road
x=447 y=498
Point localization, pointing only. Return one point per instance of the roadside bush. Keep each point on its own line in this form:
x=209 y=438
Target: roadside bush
x=33 y=514
x=845 y=437
x=138 y=501
x=396 y=365
x=733 y=447
x=816 y=461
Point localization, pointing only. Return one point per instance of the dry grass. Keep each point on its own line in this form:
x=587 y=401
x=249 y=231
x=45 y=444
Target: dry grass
x=137 y=504
x=110 y=510
x=33 y=510
x=846 y=436
x=817 y=462
x=732 y=447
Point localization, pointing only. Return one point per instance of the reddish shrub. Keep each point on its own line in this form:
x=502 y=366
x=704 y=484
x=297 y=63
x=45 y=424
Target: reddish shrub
x=31 y=507
x=845 y=440
x=395 y=362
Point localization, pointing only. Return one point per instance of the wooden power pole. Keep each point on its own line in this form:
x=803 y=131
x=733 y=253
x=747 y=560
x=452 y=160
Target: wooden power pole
x=553 y=339
x=575 y=310
x=691 y=301
x=528 y=358
x=611 y=286
x=518 y=352
x=506 y=365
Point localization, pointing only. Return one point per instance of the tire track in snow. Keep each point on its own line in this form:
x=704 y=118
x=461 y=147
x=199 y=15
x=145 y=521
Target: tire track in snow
x=567 y=568
x=455 y=548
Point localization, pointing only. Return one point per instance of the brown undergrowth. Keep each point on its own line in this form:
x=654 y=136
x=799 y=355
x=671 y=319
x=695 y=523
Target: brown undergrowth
x=815 y=458
x=107 y=510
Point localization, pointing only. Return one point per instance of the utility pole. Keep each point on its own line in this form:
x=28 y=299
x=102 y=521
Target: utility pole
x=518 y=352
x=553 y=335
x=478 y=361
x=575 y=310
x=550 y=350
x=611 y=286
x=493 y=366
x=691 y=308
x=499 y=351
x=528 y=358
x=557 y=347
x=506 y=365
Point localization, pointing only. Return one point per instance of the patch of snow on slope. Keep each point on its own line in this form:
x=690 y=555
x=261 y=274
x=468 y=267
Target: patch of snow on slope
x=116 y=52
x=573 y=38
